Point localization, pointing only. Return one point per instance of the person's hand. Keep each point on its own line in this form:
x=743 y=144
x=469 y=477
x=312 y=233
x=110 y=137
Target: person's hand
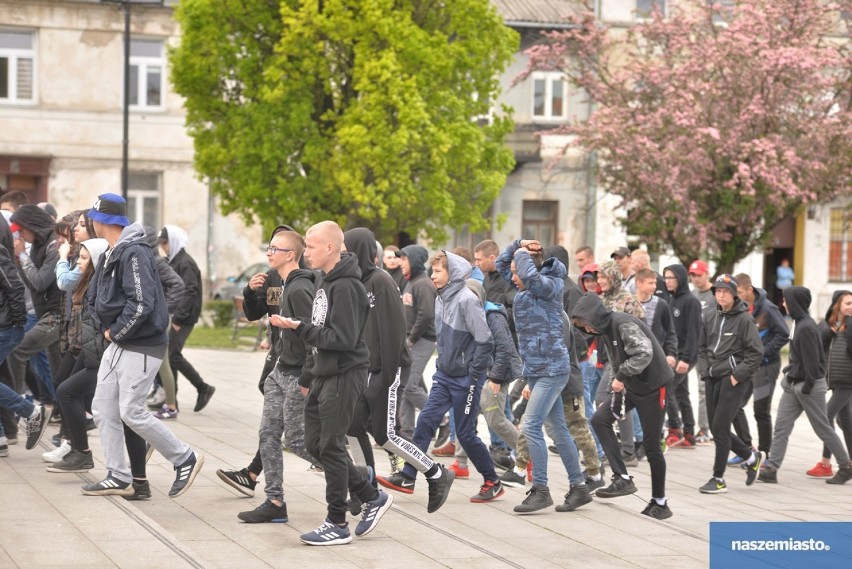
x=682 y=367
x=19 y=246
x=176 y=327
x=530 y=244
x=617 y=386
x=64 y=251
x=264 y=344
x=287 y=323
x=526 y=392
x=106 y=335
x=495 y=387
x=734 y=381
x=304 y=391
x=671 y=361
x=257 y=281
x=806 y=388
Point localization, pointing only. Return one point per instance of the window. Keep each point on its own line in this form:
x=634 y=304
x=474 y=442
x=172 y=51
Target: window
x=550 y=96
x=644 y=8
x=147 y=76
x=840 y=251
x=143 y=198
x=17 y=66
x=724 y=12
x=540 y=221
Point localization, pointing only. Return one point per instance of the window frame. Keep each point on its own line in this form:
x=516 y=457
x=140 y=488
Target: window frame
x=139 y=195
x=645 y=16
x=14 y=55
x=549 y=77
x=553 y=222
x=143 y=63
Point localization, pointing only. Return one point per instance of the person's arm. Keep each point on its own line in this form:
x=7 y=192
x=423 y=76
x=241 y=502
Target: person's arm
x=503 y=348
x=542 y=286
x=192 y=290
x=810 y=343
x=752 y=351
x=392 y=330
x=638 y=348
x=688 y=350
x=423 y=298
x=40 y=279
x=780 y=334
x=137 y=282
x=255 y=305
x=504 y=261
x=173 y=286
x=670 y=340
x=483 y=342
x=302 y=305
x=66 y=277
x=14 y=287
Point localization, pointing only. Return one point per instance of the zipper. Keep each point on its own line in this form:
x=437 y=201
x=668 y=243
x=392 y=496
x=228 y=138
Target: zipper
x=718 y=341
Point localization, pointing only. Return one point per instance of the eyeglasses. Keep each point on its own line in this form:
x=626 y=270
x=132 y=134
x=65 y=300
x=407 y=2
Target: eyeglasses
x=272 y=250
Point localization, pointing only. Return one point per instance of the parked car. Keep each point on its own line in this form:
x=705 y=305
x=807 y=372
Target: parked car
x=236 y=284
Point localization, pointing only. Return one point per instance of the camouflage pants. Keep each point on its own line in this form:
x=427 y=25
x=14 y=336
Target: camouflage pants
x=578 y=426
x=283 y=415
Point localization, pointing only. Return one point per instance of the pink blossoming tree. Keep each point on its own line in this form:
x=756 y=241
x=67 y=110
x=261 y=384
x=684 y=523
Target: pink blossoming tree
x=712 y=123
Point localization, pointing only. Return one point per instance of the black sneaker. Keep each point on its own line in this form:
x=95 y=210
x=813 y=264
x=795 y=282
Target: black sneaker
x=502 y=459
x=553 y=449
x=185 y=475
x=714 y=486
x=439 y=489
x=90 y=424
x=443 y=432
x=74 y=461
x=109 y=486
x=239 y=480
x=630 y=459
x=141 y=490
x=36 y=425
x=513 y=479
x=594 y=484
x=618 y=487
x=753 y=469
x=656 y=511
x=579 y=495
x=843 y=475
x=538 y=498
x=265 y=513
x=204 y=397
x=399 y=482
x=768 y=475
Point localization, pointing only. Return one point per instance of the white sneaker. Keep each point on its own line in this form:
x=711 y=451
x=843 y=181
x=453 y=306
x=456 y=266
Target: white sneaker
x=57 y=454
x=157 y=398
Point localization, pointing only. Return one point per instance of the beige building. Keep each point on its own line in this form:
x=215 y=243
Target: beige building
x=61 y=102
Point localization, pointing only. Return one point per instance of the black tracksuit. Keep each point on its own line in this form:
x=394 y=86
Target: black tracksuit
x=686 y=310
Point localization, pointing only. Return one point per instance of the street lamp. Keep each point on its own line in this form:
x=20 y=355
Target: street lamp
x=125 y=139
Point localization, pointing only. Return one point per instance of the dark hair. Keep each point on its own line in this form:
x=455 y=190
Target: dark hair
x=487 y=247
x=464 y=253
x=743 y=280
x=79 y=294
x=15 y=197
x=65 y=226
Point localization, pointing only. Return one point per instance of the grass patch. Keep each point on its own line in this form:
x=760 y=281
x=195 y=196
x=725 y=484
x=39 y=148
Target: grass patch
x=221 y=338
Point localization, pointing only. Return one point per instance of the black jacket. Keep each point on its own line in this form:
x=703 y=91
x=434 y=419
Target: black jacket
x=296 y=301
x=636 y=357
x=173 y=286
x=507 y=366
x=13 y=311
x=838 y=346
x=139 y=318
x=686 y=311
x=385 y=329
x=771 y=327
x=189 y=309
x=336 y=328
x=730 y=344
x=418 y=297
x=807 y=356
x=93 y=344
x=38 y=271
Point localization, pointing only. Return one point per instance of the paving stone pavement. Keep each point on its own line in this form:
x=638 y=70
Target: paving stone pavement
x=49 y=523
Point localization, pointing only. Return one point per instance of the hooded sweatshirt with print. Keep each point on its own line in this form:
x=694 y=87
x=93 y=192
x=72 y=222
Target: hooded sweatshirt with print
x=137 y=321
x=807 y=356
x=538 y=312
x=465 y=343
x=730 y=344
x=385 y=330
x=617 y=298
x=418 y=297
x=636 y=357
x=338 y=320
x=686 y=310
x=38 y=268
x=189 y=309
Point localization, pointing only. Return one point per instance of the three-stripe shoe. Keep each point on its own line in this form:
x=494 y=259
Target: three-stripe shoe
x=329 y=533
x=109 y=486
x=372 y=512
x=185 y=475
x=239 y=480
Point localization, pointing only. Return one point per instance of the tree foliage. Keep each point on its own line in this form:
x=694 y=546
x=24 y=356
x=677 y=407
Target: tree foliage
x=714 y=123
x=360 y=111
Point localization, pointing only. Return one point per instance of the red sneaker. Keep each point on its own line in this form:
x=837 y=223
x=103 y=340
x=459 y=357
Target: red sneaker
x=820 y=471
x=461 y=471
x=448 y=449
x=688 y=441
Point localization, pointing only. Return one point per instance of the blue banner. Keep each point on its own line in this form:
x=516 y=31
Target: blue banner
x=781 y=545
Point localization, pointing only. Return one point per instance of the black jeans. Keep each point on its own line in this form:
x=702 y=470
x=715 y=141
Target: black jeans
x=329 y=409
x=723 y=403
x=75 y=397
x=679 y=405
x=652 y=412
x=179 y=364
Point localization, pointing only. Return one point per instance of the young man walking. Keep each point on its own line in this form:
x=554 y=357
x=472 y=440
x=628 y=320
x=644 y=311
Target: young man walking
x=336 y=376
x=128 y=304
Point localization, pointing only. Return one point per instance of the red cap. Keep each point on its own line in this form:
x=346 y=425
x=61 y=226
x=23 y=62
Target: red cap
x=14 y=227
x=699 y=267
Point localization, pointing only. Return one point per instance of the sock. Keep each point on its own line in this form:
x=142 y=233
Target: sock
x=660 y=501
x=521 y=471
x=625 y=476
x=433 y=473
x=596 y=477
x=35 y=412
x=750 y=460
x=722 y=480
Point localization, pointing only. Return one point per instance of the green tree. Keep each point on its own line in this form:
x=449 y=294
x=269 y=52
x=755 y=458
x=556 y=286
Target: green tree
x=360 y=111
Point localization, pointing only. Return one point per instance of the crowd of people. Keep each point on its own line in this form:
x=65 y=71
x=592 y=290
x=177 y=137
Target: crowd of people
x=93 y=322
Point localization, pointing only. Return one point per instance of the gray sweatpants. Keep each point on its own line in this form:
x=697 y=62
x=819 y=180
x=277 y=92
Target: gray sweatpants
x=792 y=403
x=124 y=380
x=283 y=414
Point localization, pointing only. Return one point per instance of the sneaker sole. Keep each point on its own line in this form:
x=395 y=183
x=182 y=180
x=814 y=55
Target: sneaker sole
x=564 y=508
x=70 y=471
x=342 y=541
x=525 y=512
x=241 y=489
x=616 y=494
x=382 y=511
x=199 y=462
x=513 y=484
x=718 y=491
x=820 y=475
x=110 y=492
x=384 y=482
x=271 y=521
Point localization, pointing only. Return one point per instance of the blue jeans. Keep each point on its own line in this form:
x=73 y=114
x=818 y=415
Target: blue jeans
x=545 y=405
x=14 y=402
x=591 y=379
x=462 y=395
x=40 y=362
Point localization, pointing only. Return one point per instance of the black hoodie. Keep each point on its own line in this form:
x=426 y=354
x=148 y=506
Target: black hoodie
x=173 y=286
x=686 y=310
x=771 y=327
x=418 y=297
x=339 y=316
x=636 y=356
x=385 y=331
x=838 y=347
x=807 y=356
x=730 y=344
x=38 y=271
x=296 y=301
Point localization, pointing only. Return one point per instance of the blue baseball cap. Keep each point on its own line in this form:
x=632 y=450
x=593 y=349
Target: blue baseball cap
x=110 y=209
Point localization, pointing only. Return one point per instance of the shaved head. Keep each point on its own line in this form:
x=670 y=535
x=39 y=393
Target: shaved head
x=324 y=243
